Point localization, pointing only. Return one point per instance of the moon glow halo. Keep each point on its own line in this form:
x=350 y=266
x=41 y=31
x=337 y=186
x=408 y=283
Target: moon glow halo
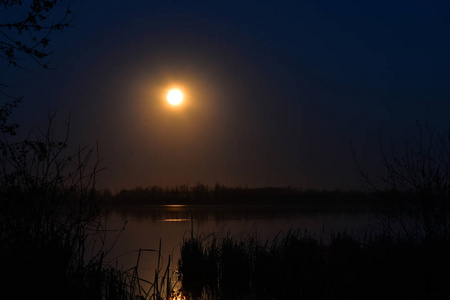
x=175 y=97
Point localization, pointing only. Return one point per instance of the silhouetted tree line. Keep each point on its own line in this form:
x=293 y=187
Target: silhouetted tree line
x=220 y=194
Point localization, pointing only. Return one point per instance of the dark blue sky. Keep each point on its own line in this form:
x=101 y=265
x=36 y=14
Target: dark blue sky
x=277 y=92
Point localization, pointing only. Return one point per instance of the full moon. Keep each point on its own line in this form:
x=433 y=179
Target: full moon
x=174 y=97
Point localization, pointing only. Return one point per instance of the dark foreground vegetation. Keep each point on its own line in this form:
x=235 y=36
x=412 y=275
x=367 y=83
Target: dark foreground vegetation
x=300 y=266
x=51 y=227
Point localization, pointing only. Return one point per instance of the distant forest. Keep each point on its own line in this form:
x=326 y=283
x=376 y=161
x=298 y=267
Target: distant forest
x=201 y=194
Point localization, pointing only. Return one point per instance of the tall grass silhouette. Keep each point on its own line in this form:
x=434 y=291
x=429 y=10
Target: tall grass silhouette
x=301 y=266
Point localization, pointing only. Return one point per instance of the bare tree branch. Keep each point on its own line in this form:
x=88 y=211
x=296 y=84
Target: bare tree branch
x=38 y=19
x=421 y=175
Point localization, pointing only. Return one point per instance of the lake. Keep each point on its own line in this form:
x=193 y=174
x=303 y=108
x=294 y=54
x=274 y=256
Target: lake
x=137 y=227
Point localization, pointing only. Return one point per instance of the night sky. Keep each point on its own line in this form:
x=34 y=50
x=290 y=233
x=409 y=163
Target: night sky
x=276 y=93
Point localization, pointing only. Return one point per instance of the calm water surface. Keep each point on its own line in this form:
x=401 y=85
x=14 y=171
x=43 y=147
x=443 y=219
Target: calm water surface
x=145 y=226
